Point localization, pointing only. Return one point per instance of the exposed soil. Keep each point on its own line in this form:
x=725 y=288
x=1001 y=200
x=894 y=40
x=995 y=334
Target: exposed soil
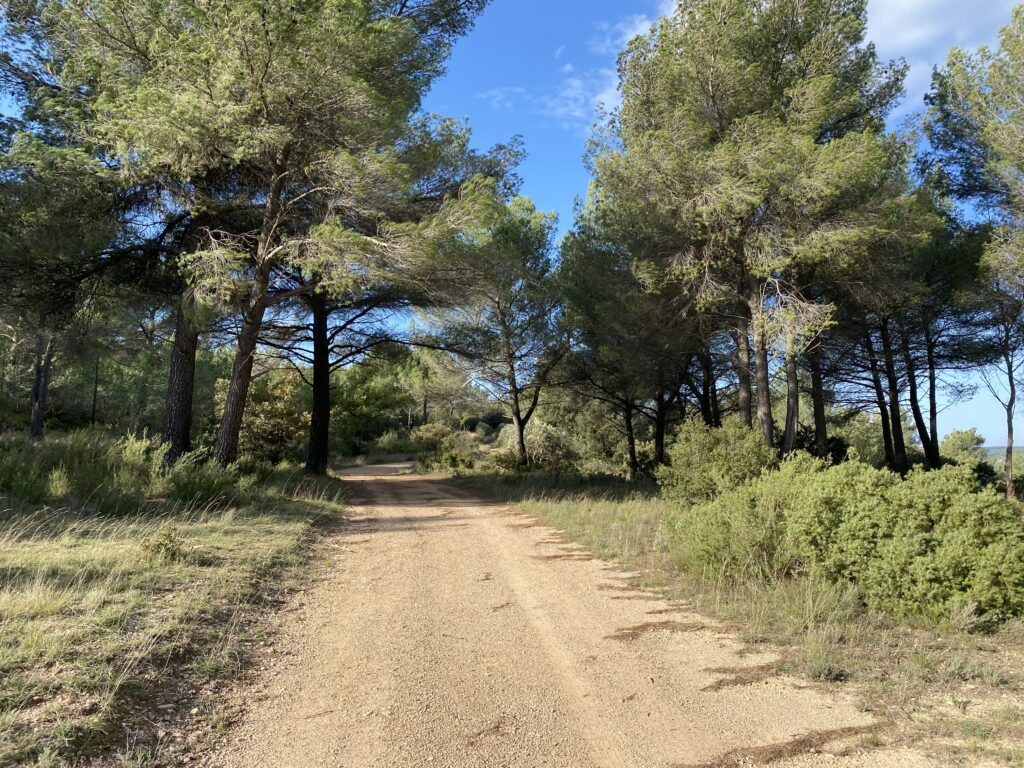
x=452 y=631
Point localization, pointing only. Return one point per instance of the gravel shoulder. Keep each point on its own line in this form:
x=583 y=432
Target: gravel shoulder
x=449 y=630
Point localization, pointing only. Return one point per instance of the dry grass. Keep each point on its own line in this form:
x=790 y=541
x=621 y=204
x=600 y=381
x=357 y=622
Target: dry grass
x=102 y=619
x=958 y=691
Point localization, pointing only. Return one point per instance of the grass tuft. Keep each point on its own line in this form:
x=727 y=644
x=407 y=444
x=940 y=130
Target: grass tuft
x=105 y=614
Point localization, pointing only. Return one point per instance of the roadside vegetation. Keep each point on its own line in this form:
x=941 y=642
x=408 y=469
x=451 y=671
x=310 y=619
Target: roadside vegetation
x=128 y=590
x=905 y=592
x=222 y=263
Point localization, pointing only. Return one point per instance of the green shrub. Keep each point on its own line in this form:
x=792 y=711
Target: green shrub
x=646 y=467
x=454 y=450
x=935 y=544
x=454 y=459
x=275 y=418
x=839 y=515
x=548 y=448
x=392 y=443
x=194 y=479
x=502 y=461
x=86 y=468
x=963 y=445
x=705 y=462
x=428 y=438
x=164 y=545
x=954 y=544
x=741 y=533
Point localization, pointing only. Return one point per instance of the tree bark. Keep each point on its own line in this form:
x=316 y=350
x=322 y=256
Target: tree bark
x=318 y=455
x=226 y=449
x=711 y=389
x=883 y=408
x=928 y=442
x=743 y=364
x=899 y=445
x=821 y=447
x=792 y=402
x=662 y=407
x=41 y=383
x=764 y=384
x=181 y=386
x=634 y=464
x=1011 y=404
x=520 y=428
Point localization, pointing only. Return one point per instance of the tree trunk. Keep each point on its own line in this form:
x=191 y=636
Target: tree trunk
x=181 y=386
x=520 y=429
x=662 y=405
x=821 y=447
x=764 y=386
x=1011 y=404
x=634 y=464
x=792 y=402
x=226 y=449
x=711 y=390
x=883 y=408
x=933 y=402
x=318 y=456
x=928 y=441
x=899 y=445
x=41 y=383
x=743 y=364
x=95 y=391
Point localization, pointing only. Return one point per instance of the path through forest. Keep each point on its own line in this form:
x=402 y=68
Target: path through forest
x=453 y=631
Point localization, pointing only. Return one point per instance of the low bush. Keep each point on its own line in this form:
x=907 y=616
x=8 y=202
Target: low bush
x=740 y=533
x=429 y=437
x=90 y=471
x=195 y=480
x=453 y=450
x=84 y=469
x=548 y=448
x=393 y=443
x=705 y=462
x=275 y=420
x=934 y=544
x=503 y=461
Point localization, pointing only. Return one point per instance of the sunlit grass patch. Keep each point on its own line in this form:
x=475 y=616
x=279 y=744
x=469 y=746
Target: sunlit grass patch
x=905 y=669
x=102 y=615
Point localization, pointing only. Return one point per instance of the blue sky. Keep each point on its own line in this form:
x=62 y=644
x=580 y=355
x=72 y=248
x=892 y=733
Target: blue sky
x=540 y=69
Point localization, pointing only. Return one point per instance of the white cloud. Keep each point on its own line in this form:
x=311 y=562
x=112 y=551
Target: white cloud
x=581 y=94
x=926 y=28
x=612 y=37
x=577 y=99
x=505 y=97
x=922 y=32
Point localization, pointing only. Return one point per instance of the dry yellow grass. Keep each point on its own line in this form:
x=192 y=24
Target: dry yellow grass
x=102 y=618
x=943 y=685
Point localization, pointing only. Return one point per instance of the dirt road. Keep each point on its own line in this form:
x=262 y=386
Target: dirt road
x=452 y=631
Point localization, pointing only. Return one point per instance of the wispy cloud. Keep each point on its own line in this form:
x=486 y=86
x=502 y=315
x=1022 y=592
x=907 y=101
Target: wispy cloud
x=578 y=98
x=505 y=97
x=580 y=93
x=612 y=36
x=922 y=31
